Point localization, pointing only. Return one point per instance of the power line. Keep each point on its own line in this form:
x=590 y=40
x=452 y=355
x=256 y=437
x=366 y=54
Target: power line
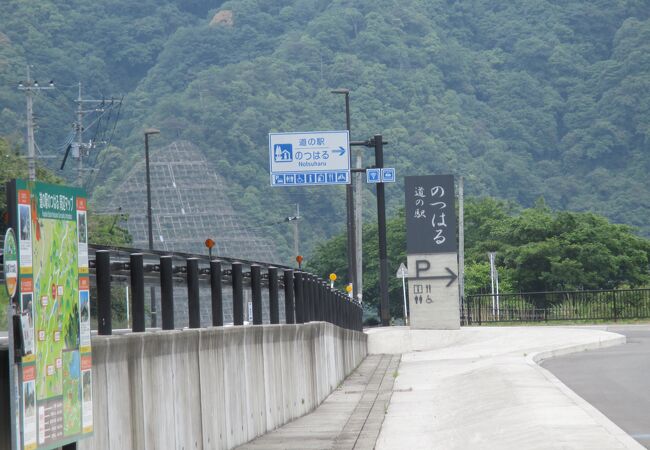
x=95 y=109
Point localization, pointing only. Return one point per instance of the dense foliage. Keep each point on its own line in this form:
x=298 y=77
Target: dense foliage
x=525 y=98
x=537 y=250
x=105 y=229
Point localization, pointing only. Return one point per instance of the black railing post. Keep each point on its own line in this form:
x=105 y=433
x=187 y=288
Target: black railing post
x=300 y=296
x=167 y=292
x=328 y=304
x=274 y=307
x=337 y=309
x=256 y=291
x=288 y=297
x=193 y=305
x=299 y=288
x=360 y=318
x=314 y=298
x=137 y=292
x=318 y=307
x=307 y=292
x=325 y=289
x=216 y=293
x=103 y=276
x=237 y=294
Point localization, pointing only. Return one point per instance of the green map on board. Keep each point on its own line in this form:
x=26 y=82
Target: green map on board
x=51 y=220
x=56 y=277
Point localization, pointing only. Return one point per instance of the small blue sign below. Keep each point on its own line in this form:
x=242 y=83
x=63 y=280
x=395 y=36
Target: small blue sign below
x=388 y=175
x=373 y=175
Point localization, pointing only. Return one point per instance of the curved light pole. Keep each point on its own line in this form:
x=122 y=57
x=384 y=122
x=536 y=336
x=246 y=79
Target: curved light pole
x=148 y=132
x=349 y=202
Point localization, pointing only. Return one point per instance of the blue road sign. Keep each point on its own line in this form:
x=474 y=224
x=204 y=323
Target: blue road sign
x=388 y=175
x=373 y=175
x=310 y=158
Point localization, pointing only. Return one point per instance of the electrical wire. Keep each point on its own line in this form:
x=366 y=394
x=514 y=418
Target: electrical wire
x=117 y=118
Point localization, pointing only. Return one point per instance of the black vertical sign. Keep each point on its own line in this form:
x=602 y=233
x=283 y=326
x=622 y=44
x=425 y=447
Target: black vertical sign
x=430 y=214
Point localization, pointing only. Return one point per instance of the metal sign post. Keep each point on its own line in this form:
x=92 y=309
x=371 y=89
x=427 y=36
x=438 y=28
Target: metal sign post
x=402 y=273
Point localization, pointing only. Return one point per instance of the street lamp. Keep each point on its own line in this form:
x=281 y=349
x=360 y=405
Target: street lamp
x=148 y=132
x=349 y=203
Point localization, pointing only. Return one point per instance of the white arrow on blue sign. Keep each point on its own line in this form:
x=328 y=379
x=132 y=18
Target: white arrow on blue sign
x=388 y=175
x=310 y=158
x=373 y=175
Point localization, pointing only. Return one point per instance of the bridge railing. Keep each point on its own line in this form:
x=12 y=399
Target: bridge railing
x=139 y=289
x=615 y=304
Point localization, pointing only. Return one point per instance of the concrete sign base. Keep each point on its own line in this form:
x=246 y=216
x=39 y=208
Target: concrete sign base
x=433 y=291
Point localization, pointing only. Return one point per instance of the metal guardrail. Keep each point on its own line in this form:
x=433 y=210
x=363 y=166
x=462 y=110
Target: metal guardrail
x=306 y=296
x=612 y=304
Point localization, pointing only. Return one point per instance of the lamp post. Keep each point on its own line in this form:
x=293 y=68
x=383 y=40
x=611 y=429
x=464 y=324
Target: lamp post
x=349 y=202
x=148 y=132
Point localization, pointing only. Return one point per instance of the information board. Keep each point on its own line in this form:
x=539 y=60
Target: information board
x=309 y=159
x=53 y=302
x=430 y=214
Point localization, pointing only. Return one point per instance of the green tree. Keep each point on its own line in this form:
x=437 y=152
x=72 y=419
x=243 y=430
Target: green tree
x=537 y=250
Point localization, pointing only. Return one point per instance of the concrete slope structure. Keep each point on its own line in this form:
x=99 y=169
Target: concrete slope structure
x=213 y=388
x=190 y=204
x=481 y=388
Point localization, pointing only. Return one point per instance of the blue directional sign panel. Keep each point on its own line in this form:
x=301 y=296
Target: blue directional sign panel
x=373 y=175
x=312 y=158
x=388 y=175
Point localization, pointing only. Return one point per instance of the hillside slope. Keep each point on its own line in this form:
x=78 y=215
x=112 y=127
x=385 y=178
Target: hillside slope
x=524 y=98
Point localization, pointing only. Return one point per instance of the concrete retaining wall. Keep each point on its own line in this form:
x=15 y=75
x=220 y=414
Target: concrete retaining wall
x=213 y=388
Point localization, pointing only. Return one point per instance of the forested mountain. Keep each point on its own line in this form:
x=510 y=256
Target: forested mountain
x=525 y=98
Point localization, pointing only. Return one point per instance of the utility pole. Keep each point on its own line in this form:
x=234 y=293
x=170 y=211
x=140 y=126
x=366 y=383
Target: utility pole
x=349 y=203
x=377 y=143
x=381 y=223
x=29 y=87
x=296 y=238
x=461 y=245
x=80 y=150
x=152 y=291
x=358 y=219
x=494 y=282
x=295 y=219
x=80 y=145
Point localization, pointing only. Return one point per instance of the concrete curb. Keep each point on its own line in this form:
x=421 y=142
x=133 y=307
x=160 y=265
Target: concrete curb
x=616 y=339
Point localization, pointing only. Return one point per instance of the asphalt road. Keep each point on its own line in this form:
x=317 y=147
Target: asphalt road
x=615 y=380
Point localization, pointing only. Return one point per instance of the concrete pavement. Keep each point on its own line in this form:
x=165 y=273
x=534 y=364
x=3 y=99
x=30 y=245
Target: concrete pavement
x=482 y=388
x=615 y=380
x=350 y=418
